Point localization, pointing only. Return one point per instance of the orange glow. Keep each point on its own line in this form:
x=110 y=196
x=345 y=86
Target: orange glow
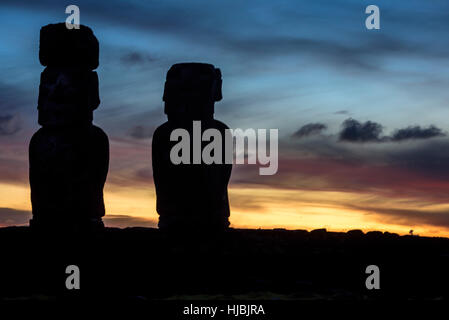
x=300 y=209
x=269 y=208
x=15 y=196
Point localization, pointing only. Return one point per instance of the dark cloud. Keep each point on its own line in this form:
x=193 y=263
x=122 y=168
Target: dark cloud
x=12 y=217
x=136 y=58
x=408 y=217
x=124 y=221
x=343 y=112
x=428 y=157
x=416 y=132
x=16 y=99
x=355 y=131
x=9 y=125
x=309 y=129
x=418 y=169
x=144 y=174
x=141 y=132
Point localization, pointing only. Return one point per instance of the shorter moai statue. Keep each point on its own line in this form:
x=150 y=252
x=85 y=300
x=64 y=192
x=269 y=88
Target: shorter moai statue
x=69 y=156
x=190 y=197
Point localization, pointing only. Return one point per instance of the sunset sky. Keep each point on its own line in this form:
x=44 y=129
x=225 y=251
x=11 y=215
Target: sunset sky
x=363 y=115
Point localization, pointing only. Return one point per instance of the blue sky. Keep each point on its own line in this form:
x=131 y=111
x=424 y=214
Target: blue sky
x=285 y=64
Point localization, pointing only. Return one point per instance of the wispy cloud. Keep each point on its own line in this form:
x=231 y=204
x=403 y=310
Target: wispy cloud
x=123 y=221
x=416 y=132
x=10 y=216
x=136 y=58
x=309 y=129
x=9 y=125
x=355 y=131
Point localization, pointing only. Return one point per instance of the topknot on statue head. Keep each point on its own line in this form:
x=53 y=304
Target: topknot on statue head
x=191 y=89
x=63 y=47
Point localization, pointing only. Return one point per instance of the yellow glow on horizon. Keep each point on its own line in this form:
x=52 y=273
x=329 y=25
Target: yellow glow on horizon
x=304 y=209
x=130 y=201
x=15 y=196
x=268 y=208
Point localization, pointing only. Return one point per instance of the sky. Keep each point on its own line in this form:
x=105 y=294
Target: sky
x=363 y=115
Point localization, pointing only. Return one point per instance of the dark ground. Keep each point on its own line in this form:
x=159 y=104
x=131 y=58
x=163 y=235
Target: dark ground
x=136 y=264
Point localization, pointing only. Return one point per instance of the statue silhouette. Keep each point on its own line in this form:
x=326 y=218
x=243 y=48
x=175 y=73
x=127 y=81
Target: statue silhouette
x=190 y=196
x=69 y=156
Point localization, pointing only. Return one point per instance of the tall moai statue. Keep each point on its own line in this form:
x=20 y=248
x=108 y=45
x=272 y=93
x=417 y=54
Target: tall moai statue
x=190 y=197
x=69 y=156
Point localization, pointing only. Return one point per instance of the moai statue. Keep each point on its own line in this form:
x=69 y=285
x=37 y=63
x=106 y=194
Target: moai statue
x=190 y=197
x=69 y=156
